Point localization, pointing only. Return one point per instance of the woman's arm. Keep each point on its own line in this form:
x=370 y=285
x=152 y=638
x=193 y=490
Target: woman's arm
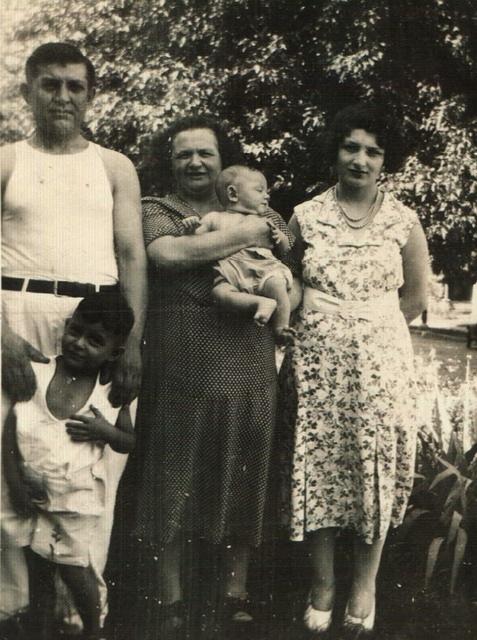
x=415 y=260
x=298 y=248
x=296 y=293
x=186 y=252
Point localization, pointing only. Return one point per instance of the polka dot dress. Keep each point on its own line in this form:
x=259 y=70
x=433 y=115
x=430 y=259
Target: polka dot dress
x=207 y=407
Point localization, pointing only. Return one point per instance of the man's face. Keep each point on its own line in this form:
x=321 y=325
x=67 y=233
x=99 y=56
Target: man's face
x=59 y=96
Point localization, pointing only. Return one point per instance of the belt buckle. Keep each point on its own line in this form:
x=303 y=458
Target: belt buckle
x=55 y=289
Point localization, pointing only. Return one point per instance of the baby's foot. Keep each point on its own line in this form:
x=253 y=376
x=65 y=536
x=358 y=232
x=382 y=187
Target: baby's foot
x=264 y=311
x=285 y=336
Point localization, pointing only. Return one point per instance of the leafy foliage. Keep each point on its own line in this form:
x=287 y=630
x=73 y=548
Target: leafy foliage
x=443 y=506
x=277 y=70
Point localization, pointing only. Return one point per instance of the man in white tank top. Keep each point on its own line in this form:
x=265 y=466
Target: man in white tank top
x=71 y=223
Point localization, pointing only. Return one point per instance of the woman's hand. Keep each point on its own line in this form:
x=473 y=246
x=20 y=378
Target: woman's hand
x=256 y=232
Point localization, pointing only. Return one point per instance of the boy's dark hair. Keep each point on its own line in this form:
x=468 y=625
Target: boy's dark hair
x=60 y=53
x=110 y=309
x=156 y=169
x=373 y=119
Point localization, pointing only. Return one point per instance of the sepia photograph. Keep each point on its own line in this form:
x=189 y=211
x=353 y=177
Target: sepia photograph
x=239 y=320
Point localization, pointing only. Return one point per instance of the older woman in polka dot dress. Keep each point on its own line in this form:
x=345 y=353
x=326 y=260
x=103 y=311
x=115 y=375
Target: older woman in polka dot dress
x=207 y=408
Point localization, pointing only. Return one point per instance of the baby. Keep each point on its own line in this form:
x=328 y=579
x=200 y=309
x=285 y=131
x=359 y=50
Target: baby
x=54 y=464
x=253 y=279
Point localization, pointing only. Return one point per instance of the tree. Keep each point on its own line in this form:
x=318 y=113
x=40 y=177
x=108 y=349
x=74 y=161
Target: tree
x=277 y=70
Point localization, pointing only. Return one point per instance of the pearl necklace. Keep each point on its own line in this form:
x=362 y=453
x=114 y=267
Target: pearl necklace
x=357 y=223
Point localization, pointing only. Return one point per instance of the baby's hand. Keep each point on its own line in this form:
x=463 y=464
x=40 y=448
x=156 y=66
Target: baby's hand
x=280 y=241
x=190 y=224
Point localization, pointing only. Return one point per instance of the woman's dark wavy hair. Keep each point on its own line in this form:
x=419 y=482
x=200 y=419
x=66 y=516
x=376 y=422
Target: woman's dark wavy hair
x=373 y=119
x=156 y=169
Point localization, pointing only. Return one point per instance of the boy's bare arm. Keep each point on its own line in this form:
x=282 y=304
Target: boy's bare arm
x=132 y=267
x=120 y=437
x=20 y=495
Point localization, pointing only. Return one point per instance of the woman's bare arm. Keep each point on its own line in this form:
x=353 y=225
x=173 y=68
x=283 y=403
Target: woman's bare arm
x=415 y=258
x=298 y=248
x=186 y=252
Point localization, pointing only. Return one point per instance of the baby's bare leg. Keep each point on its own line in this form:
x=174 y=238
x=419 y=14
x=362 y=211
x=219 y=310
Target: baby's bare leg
x=276 y=288
x=229 y=297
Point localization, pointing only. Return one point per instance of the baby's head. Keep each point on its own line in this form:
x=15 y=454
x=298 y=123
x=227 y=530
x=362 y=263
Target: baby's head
x=97 y=331
x=242 y=189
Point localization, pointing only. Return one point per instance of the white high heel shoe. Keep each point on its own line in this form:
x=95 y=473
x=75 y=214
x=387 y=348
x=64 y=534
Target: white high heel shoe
x=316 y=620
x=361 y=627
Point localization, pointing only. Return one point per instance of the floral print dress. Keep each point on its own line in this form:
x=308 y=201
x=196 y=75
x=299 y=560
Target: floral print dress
x=350 y=379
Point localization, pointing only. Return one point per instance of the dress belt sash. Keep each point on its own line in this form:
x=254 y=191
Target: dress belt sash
x=385 y=305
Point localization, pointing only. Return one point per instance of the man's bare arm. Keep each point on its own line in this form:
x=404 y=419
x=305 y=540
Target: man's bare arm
x=131 y=258
x=7 y=162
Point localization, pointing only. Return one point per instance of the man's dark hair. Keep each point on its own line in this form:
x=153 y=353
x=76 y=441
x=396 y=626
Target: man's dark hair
x=60 y=53
x=110 y=309
x=373 y=119
x=156 y=169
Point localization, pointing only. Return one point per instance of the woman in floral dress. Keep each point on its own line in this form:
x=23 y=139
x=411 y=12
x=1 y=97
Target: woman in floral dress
x=364 y=258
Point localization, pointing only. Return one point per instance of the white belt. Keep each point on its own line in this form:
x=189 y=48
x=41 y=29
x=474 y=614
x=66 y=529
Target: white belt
x=316 y=300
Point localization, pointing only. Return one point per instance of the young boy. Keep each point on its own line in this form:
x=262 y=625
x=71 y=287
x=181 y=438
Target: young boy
x=253 y=279
x=54 y=447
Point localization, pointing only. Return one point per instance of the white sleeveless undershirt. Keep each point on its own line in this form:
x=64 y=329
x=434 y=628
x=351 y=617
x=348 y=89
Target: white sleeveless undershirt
x=58 y=217
x=42 y=438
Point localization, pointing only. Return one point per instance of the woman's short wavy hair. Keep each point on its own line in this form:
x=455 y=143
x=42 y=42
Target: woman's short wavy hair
x=373 y=119
x=156 y=169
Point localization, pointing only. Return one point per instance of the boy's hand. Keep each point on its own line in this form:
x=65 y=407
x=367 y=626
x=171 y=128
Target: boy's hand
x=89 y=428
x=28 y=494
x=22 y=502
x=280 y=241
x=190 y=224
